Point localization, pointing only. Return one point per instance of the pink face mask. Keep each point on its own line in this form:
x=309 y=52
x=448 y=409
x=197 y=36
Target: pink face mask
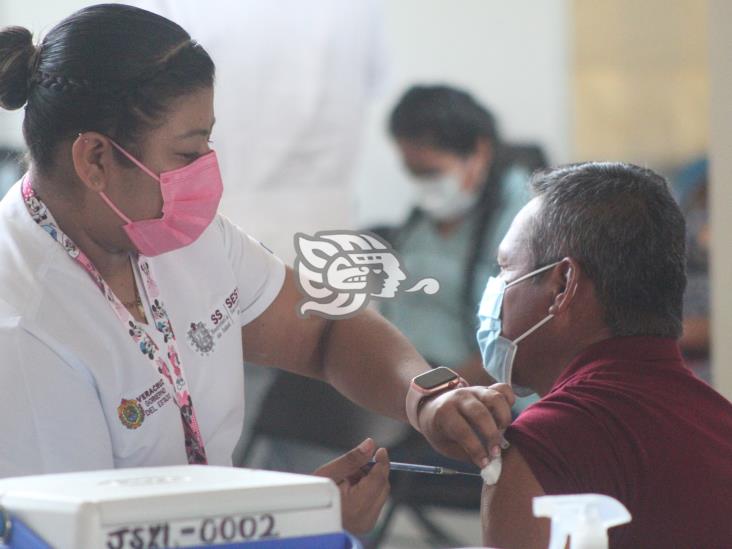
x=191 y=197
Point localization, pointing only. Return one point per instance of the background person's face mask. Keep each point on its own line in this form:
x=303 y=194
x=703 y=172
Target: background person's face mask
x=191 y=197
x=497 y=351
x=443 y=198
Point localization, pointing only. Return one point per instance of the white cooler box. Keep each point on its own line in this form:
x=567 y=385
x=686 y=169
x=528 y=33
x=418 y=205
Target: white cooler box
x=181 y=506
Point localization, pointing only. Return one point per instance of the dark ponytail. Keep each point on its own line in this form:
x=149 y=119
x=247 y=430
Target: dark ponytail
x=109 y=68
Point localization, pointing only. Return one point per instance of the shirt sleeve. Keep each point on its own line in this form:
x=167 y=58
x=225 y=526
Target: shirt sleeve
x=573 y=444
x=260 y=274
x=51 y=419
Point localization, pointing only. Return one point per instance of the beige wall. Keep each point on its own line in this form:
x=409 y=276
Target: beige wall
x=656 y=77
x=640 y=80
x=720 y=65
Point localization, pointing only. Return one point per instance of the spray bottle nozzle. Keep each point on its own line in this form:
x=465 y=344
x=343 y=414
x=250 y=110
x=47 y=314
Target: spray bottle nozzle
x=585 y=518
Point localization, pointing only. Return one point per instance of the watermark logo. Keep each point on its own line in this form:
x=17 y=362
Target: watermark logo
x=339 y=272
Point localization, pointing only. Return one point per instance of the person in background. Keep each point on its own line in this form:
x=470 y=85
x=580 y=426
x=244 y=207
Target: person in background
x=691 y=193
x=587 y=312
x=468 y=188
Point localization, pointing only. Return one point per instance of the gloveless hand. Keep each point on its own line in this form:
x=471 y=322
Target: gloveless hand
x=466 y=423
x=363 y=490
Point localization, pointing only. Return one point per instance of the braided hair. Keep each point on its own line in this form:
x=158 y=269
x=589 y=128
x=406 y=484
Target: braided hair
x=451 y=120
x=108 y=68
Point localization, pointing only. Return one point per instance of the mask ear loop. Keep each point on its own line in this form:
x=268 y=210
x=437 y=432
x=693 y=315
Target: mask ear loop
x=139 y=164
x=574 y=291
x=530 y=331
x=570 y=296
x=131 y=158
x=114 y=208
x=533 y=273
x=103 y=195
x=547 y=318
x=135 y=161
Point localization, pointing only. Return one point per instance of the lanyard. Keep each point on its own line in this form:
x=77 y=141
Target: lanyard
x=165 y=361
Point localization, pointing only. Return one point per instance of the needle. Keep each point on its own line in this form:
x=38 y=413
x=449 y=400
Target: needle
x=426 y=469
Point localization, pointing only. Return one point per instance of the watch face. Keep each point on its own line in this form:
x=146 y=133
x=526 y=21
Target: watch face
x=435 y=378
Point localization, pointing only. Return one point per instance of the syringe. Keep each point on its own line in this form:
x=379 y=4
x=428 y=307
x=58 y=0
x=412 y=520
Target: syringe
x=425 y=469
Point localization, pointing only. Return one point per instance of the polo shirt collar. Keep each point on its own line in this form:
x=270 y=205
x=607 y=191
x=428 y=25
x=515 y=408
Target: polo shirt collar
x=622 y=349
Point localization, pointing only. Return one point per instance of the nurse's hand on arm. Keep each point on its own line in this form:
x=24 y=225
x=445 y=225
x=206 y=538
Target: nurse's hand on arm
x=369 y=361
x=506 y=508
x=466 y=424
x=363 y=490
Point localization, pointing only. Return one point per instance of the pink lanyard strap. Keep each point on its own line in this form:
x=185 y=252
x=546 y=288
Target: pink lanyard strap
x=168 y=364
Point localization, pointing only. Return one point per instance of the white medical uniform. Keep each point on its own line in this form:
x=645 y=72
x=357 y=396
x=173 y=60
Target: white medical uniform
x=68 y=366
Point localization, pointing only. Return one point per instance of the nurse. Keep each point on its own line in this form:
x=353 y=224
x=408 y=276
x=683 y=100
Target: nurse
x=127 y=304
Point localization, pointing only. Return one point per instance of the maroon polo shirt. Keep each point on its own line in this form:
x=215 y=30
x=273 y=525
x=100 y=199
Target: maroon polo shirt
x=626 y=418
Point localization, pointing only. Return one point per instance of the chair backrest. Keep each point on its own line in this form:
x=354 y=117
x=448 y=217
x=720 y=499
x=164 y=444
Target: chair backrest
x=310 y=411
x=529 y=155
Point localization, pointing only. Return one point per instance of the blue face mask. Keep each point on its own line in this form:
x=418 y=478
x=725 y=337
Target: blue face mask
x=499 y=352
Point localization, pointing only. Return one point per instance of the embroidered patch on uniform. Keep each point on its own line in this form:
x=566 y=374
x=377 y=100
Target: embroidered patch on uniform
x=202 y=334
x=130 y=413
x=200 y=338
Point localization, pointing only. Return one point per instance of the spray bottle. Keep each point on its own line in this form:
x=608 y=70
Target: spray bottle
x=585 y=518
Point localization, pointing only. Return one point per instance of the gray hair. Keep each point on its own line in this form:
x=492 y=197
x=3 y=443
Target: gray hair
x=621 y=224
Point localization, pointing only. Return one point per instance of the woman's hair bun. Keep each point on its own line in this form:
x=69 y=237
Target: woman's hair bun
x=17 y=61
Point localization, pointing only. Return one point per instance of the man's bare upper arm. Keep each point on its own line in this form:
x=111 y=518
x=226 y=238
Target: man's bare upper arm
x=506 y=512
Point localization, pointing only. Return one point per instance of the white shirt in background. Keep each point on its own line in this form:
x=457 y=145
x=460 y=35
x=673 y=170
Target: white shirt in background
x=293 y=81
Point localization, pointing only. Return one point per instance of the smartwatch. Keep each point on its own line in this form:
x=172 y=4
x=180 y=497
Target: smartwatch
x=428 y=385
